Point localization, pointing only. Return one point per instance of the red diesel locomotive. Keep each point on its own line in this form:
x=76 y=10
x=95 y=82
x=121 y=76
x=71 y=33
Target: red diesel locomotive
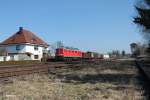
x=67 y=54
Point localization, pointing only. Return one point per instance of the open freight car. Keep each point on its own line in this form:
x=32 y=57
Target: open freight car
x=91 y=56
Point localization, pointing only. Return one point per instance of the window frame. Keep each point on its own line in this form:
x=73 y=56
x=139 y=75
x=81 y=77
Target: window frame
x=18 y=47
x=36 y=56
x=36 y=47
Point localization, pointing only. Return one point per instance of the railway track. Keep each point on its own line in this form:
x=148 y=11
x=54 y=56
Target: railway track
x=144 y=70
x=7 y=71
x=18 y=70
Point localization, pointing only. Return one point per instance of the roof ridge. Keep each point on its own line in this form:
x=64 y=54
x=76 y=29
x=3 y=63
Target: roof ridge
x=24 y=36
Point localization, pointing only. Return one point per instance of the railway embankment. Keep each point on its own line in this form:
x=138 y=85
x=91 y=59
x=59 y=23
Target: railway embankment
x=108 y=80
x=144 y=70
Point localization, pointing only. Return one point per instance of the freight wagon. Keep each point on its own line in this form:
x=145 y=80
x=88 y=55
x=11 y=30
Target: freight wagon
x=91 y=55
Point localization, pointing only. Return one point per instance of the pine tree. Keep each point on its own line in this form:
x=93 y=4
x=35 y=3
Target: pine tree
x=143 y=17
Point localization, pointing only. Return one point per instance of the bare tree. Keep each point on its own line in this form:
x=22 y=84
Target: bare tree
x=123 y=53
x=54 y=46
x=59 y=44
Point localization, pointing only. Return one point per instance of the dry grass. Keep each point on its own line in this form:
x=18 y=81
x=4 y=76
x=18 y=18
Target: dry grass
x=88 y=82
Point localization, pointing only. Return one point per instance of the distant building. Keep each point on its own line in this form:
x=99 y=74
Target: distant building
x=134 y=48
x=106 y=56
x=138 y=49
x=24 y=45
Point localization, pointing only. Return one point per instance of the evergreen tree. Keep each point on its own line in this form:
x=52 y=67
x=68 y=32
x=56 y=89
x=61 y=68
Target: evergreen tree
x=143 y=17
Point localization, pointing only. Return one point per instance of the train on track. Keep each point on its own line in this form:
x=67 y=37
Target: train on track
x=62 y=54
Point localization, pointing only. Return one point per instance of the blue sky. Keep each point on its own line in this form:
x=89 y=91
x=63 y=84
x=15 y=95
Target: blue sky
x=95 y=25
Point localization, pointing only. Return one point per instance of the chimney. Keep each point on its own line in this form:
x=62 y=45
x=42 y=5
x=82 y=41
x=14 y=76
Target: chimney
x=20 y=29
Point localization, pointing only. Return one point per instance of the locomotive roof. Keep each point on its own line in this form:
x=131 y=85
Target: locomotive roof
x=68 y=48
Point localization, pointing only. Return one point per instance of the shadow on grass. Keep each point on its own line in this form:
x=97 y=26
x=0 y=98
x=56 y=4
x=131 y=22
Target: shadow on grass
x=119 y=79
x=145 y=83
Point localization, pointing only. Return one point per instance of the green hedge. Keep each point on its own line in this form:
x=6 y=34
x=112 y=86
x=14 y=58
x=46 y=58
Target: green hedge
x=21 y=62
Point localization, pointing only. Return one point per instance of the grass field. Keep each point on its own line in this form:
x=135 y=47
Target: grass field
x=105 y=81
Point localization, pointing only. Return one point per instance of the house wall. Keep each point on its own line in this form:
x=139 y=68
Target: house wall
x=4 y=58
x=1 y=58
x=24 y=48
x=12 y=49
x=39 y=52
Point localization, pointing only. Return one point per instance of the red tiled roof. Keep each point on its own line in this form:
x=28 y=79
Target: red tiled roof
x=24 y=36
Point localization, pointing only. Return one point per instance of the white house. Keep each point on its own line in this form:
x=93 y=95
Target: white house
x=106 y=56
x=24 y=45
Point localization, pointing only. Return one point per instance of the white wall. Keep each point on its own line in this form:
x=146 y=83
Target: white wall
x=2 y=58
x=24 y=48
x=12 y=49
x=30 y=48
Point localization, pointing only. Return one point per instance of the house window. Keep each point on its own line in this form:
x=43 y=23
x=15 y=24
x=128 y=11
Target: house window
x=4 y=58
x=36 y=47
x=17 y=47
x=36 y=56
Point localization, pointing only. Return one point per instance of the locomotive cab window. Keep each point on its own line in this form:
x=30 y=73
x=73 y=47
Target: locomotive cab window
x=61 y=51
